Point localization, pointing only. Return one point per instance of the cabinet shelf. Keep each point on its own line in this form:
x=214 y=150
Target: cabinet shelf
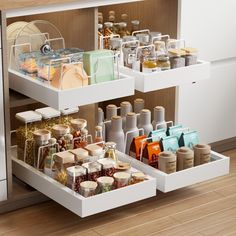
x=218 y=166
x=77 y=203
x=147 y=82
x=62 y=99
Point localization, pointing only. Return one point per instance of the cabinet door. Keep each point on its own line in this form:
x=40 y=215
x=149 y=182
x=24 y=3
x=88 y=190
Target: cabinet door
x=2 y=130
x=210 y=26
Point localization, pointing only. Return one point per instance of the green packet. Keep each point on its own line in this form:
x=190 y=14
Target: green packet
x=189 y=139
x=170 y=143
x=157 y=135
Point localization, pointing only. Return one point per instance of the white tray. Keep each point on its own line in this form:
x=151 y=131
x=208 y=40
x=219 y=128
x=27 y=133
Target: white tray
x=147 y=82
x=74 y=201
x=219 y=166
x=62 y=99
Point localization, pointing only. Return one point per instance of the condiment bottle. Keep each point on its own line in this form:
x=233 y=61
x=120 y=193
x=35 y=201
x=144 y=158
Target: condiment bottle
x=84 y=138
x=144 y=39
x=167 y=162
x=115 y=46
x=176 y=58
x=100 y=34
x=135 y=25
x=185 y=158
x=98 y=135
x=160 y=48
x=202 y=154
x=111 y=110
x=131 y=125
x=159 y=118
x=116 y=133
x=94 y=170
x=100 y=122
x=124 y=18
x=145 y=121
x=139 y=104
x=125 y=108
x=150 y=65
x=163 y=62
x=77 y=125
x=110 y=152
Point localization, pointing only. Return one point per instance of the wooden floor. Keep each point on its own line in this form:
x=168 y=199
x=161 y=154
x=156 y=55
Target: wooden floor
x=203 y=209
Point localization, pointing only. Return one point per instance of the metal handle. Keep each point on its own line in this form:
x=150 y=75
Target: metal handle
x=140 y=31
x=160 y=37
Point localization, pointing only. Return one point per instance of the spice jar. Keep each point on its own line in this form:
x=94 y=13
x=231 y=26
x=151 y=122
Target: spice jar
x=61 y=133
x=49 y=168
x=160 y=48
x=32 y=122
x=185 y=158
x=81 y=156
x=108 y=166
x=167 y=162
x=191 y=56
x=105 y=184
x=163 y=62
x=138 y=177
x=122 y=179
x=155 y=36
x=76 y=175
x=98 y=135
x=110 y=151
x=150 y=65
x=63 y=160
x=115 y=46
x=94 y=170
x=123 y=31
x=176 y=58
x=202 y=154
x=77 y=125
x=84 y=138
x=41 y=148
x=135 y=25
x=88 y=188
x=108 y=31
x=50 y=117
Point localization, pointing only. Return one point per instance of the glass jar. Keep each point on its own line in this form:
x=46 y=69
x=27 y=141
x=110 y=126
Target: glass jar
x=144 y=39
x=94 y=170
x=115 y=46
x=41 y=148
x=63 y=160
x=163 y=62
x=108 y=166
x=76 y=175
x=141 y=55
x=81 y=156
x=110 y=151
x=24 y=135
x=108 y=31
x=135 y=25
x=60 y=132
x=122 y=179
x=77 y=125
x=138 y=177
x=150 y=65
x=176 y=58
x=155 y=36
x=84 y=138
x=95 y=150
x=88 y=188
x=98 y=135
x=105 y=184
x=160 y=48
x=49 y=168
x=123 y=31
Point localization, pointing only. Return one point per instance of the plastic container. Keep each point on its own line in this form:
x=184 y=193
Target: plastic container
x=110 y=151
x=94 y=170
x=88 y=188
x=138 y=177
x=75 y=54
x=108 y=166
x=105 y=184
x=122 y=179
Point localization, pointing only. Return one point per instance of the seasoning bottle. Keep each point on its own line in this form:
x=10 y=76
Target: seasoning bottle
x=163 y=62
x=100 y=34
x=167 y=162
x=94 y=170
x=108 y=164
x=125 y=108
x=202 y=154
x=124 y=18
x=116 y=133
x=108 y=31
x=185 y=158
x=111 y=110
x=139 y=104
x=159 y=118
x=131 y=125
x=135 y=25
x=176 y=58
x=100 y=122
x=150 y=65
x=84 y=138
x=110 y=151
x=77 y=125
x=41 y=138
x=98 y=135
x=145 y=121
x=144 y=39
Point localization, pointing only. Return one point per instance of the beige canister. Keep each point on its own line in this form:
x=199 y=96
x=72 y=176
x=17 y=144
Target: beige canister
x=185 y=158
x=202 y=154
x=167 y=162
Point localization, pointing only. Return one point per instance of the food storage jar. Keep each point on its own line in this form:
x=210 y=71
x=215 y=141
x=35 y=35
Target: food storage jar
x=176 y=58
x=122 y=179
x=185 y=158
x=163 y=62
x=94 y=170
x=81 y=155
x=105 y=184
x=108 y=166
x=150 y=64
x=138 y=177
x=110 y=151
x=62 y=134
x=88 y=188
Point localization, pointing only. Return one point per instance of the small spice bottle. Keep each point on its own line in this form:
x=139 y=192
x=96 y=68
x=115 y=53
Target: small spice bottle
x=108 y=166
x=123 y=31
x=202 y=154
x=163 y=62
x=160 y=48
x=185 y=158
x=176 y=58
x=167 y=162
x=110 y=151
x=94 y=170
x=155 y=36
x=77 y=126
x=144 y=39
x=105 y=184
x=88 y=188
x=98 y=135
x=125 y=108
x=150 y=65
x=122 y=179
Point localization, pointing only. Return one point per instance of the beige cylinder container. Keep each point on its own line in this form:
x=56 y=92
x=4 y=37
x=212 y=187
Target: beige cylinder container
x=202 y=154
x=185 y=158
x=167 y=162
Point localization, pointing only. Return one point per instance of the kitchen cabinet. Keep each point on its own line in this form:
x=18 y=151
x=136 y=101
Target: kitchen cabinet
x=77 y=20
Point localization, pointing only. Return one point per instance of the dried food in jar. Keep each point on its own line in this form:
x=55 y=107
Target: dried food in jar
x=122 y=179
x=94 y=170
x=150 y=65
x=176 y=58
x=88 y=188
x=60 y=132
x=105 y=184
x=138 y=177
x=108 y=166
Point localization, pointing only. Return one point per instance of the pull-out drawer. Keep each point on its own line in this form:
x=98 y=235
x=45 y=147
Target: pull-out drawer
x=77 y=203
x=3 y=190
